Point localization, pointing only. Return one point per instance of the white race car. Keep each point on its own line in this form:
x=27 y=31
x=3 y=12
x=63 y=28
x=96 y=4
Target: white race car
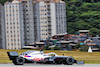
x=41 y=57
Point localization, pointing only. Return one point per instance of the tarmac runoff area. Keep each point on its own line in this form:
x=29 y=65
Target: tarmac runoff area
x=50 y=65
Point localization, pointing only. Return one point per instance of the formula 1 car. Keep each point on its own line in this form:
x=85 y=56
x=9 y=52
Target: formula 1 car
x=41 y=57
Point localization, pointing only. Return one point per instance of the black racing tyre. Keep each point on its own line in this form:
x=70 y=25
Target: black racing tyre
x=70 y=60
x=19 y=61
x=14 y=61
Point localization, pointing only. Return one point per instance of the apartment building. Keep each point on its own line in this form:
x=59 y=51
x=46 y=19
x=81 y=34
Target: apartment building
x=32 y=26
x=51 y=17
x=14 y=25
x=21 y=26
x=2 y=27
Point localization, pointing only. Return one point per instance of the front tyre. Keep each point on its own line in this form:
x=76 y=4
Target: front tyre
x=70 y=60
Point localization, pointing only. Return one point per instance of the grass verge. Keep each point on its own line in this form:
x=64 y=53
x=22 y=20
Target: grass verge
x=89 y=58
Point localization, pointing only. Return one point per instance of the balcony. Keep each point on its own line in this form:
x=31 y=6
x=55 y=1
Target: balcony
x=34 y=12
x=35 y=20
x=35 y=25
x=48 y=15
x=35 y=17
x=48 y=12
x=48 y=8
x=49 y=20
x=34 y=8
x=35 y=29
x=35 y=33
x=49 y=24
x=49 y=32
x=49 y=28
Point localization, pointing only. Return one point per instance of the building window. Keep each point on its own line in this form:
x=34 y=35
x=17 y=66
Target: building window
x=11 y=36
x=16 y=10
x=9 y=6
x=6 y=14
x=24 y=1
x=11 y=39
x=18 y=35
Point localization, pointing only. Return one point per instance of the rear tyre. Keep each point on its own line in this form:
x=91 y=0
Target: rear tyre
x=14 y=61
x=19 y=61
x=70 y=60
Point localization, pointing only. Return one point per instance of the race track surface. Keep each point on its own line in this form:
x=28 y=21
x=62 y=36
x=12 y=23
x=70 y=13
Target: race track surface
x=49 y=65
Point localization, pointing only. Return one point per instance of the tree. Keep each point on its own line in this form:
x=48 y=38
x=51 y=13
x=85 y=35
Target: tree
x=77 y=46
x=84 y=48
x=3 y=1
x=47 y=47
x=83 y=14
x=94 y=31
x=56 y=48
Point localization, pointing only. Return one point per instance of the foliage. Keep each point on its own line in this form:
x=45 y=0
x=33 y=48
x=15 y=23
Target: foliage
x=47 y=47
x=94 y=31
x=77 y=46
x=3 y=1
x=56 y=48
x=84 y=48
x=83 y=15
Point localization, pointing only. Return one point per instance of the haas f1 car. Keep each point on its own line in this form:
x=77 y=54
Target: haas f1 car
x=41 y=57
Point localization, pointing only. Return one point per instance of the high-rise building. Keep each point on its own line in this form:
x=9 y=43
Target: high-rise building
x=51 y=15
x=2 y=27
x=21 y=28
x=14 y=25
x=31 y=24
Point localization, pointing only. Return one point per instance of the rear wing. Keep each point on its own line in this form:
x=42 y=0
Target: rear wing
x=12 y=55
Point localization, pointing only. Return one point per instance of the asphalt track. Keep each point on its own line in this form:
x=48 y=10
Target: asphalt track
x=49 y=65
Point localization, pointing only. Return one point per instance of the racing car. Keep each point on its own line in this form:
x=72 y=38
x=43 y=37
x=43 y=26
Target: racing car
x=41 y=57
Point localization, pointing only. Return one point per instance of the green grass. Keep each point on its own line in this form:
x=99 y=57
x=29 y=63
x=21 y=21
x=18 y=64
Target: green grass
x=89 y=58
